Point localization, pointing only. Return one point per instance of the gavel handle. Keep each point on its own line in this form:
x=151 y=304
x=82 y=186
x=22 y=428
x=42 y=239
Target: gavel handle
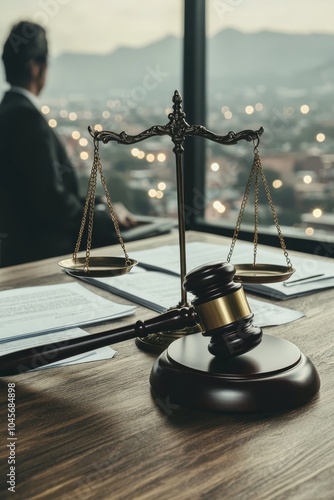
x=28 y=359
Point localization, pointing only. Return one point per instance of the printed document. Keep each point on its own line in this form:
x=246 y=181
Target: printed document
x=32 y=310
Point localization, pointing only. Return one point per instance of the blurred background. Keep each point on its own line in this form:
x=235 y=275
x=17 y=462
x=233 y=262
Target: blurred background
x=115 y=66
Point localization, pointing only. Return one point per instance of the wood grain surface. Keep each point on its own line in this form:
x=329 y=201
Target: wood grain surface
x=95 y=430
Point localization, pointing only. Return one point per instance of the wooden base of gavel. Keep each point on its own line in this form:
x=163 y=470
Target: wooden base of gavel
x=229 y=367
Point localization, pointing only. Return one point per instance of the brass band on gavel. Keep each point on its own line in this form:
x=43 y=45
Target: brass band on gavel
x=223 y=310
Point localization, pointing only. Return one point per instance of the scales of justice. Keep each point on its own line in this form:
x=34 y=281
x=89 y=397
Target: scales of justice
x=213 y=357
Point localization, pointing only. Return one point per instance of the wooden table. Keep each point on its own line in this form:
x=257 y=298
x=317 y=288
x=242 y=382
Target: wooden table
x=94 y=431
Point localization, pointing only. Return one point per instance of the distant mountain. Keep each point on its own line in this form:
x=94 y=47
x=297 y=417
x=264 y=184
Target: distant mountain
x=234 y=59
x=124 y=70
x=269 y=59
x=282 y=54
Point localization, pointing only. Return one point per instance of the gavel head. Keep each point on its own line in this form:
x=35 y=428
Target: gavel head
x=222 y=309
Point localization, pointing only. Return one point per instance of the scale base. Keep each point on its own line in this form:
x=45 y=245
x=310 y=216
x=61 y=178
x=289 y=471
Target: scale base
x=159 y=342
x=274 y=376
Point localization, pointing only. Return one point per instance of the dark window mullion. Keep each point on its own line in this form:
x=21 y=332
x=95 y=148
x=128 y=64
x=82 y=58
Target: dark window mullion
x=194 y=105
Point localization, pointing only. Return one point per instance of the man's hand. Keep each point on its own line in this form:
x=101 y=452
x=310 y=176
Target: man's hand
x=124 y=217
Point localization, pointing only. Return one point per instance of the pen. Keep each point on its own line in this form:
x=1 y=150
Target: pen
x=307 y=279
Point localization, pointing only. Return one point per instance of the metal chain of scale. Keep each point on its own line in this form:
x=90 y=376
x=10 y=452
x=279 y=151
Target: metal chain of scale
x=89 y=208
x=257 y=171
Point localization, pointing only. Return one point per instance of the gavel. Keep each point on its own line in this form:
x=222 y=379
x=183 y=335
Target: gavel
x=220 y=309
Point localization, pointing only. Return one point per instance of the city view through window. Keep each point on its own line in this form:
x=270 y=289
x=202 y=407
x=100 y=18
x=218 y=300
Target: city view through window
x=111 y=68
x=283 y=82
x=264 y=68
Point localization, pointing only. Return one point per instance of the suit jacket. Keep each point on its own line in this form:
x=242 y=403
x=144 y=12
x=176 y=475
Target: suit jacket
x=40 y=207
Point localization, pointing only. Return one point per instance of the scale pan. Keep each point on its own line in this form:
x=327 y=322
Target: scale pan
x=98 y=266
x=261 y=273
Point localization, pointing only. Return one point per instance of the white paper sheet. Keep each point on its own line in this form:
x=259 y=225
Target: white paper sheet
x=54 y=338
x=160 y=291
x=28 y=311
x=312 y=272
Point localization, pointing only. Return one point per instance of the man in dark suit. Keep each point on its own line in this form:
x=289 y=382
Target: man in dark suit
x=40 y=207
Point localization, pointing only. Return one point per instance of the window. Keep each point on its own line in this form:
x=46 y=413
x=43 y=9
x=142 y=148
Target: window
x=270 y=64
x=113 y=66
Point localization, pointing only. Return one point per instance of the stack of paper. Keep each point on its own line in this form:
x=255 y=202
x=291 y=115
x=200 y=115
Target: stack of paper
x=311 y=273
x=39 y=315
x=60 y=337
x=161 y=291
x=159 y=287
x=33 y=310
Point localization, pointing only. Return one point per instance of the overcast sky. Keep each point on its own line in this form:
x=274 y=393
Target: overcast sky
x=100 y=26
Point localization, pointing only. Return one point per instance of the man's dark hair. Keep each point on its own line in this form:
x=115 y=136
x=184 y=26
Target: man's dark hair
x=25 y=44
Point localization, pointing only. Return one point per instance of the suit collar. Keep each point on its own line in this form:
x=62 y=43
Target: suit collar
x=26 y=93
